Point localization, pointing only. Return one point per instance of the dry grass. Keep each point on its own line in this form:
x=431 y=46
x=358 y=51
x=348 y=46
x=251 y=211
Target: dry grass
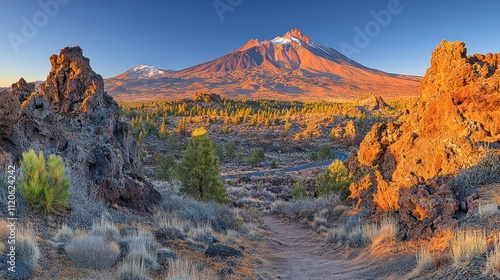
x=27 y=249
x=336 y=235
x=425 y=261
x=64 y=235
x=467 y=244
x=133 y=270
x=93 y=252
x=106 y=229
x=2 y=248
x=488 y=210
x=183 y=269
x=4 y=229
x=493 y=260
x=203 y=233
x=385 y=231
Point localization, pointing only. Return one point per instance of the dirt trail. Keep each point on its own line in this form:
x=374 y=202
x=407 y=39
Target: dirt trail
x=296 y=253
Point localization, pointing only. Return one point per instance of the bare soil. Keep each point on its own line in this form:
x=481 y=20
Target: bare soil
x=293 y=252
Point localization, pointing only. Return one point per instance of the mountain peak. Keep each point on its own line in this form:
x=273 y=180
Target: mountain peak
x=296 y=33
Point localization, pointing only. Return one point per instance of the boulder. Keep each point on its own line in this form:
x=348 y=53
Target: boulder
x=222 y=251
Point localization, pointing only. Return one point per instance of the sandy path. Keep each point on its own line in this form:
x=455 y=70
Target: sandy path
x=300 y=254
x=296 y=253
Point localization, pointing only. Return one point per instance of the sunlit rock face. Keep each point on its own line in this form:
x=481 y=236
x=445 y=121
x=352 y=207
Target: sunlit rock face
x=409 y=162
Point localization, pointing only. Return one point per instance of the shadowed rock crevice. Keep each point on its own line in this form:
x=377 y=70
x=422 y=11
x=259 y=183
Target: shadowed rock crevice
x=73 y=117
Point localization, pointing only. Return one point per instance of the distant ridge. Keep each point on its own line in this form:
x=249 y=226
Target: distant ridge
x=291 y=66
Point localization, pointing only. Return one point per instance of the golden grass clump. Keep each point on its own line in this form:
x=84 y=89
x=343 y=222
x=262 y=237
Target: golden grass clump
x=425 y=260
x=183 y=269
x=467 y=244
x=493 y=260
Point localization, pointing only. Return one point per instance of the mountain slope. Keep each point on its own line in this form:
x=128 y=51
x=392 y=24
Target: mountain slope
x=288 y=67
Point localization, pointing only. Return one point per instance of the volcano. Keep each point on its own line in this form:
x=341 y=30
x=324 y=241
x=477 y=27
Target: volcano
x=287 y=67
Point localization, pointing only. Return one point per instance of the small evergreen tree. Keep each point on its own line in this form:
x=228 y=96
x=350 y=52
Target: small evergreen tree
x=199 y=169
x=166 y=169
x=336 y=179
x=299 y=190
x=181 y=128
x=44 y=184
x=163 y=133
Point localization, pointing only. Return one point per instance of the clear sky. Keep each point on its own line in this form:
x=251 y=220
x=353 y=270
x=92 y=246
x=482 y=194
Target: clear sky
x=176 y=34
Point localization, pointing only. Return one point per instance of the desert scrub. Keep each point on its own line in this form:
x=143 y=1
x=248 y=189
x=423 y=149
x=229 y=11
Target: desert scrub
x=93 y=252
x=425 y=261
x=27 y=249
x=64 y=235
x=467 y=244
x=488 y=210
x=106 y=229
x=384 y=231
x=44 y=184
x=183 y=269
x=307 y=207
x=335 y=180
x=493 y=260
x=142 y=248
x=171 y=228
x=133 y=270
x=203 y=233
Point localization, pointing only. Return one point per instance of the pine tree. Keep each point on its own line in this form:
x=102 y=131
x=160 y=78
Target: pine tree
x=163 y=130
x=199 y=169
x=181 y=128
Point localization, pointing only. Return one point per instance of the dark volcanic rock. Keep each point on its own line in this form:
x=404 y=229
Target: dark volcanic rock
x=222 y=251
x=10 y=112
x=73 y=117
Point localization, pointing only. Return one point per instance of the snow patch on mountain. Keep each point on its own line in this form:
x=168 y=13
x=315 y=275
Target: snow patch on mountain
x=147 y=71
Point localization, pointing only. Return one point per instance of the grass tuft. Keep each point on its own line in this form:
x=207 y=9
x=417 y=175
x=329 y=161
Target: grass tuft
x=467 y=244
x=493 y=260
x=93 y=252
x=183 y=269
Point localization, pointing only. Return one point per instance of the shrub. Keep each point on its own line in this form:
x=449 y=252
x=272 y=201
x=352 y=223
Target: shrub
x=425 y=261
x=183 y=269
x=199 y=169
x=43 y=184
x=106 y=229
x=334 y=180
x=467 y=244
x=171 y=229
x=325 y=152
x=64 y=235
x=255 y=156
x=493 y=260
x=196 y=212
x=167 y=168
x=203 y=233
x=299 y=190
x=336 y=235
x=93 y=252
x=356 y=238
x=385 y=231
x=307 y=207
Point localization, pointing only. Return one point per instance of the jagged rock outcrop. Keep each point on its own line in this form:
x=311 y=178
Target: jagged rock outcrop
x=410 y=160
x=10 y=112
x=369 y=103
x=73 y=117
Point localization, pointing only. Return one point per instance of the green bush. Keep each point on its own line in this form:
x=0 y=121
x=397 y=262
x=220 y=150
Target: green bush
x=44 y=184
x=256 y=156
x=334 y=180
x=167 y=168
x=199 y=169
x=299 y=190
x=325 y=152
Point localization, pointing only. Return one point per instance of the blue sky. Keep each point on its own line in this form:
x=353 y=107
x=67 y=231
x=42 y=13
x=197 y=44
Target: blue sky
x=176 y=34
